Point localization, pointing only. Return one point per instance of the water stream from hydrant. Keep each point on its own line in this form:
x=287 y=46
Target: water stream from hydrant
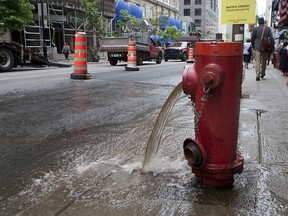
x=156 y=134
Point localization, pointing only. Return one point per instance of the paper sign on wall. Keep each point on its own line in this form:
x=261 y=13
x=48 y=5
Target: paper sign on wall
x=238 y=11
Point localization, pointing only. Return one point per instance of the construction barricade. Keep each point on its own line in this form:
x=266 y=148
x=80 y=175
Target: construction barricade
x=131 y=57
x=80 y=57
x=190 y=55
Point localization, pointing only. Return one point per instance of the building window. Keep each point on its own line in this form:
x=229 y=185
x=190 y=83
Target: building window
x=152 y=13
x=198 y=2
x=198 y=12
x=198 y=22
x=215 y=5
x=175 y=4
x=186 y=12
x=187 y=2
x=144 y=10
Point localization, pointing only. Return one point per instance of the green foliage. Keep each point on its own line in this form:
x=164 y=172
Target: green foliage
x=16 y=14
x=205 y=34
x=170 y=32
x=156 y=23
x=123 y=23
x=128 y=17
x=92 y=16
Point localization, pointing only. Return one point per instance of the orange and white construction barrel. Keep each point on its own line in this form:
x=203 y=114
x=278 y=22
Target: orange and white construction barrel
x=190 y=55
x=131 y=57
x=80 y=57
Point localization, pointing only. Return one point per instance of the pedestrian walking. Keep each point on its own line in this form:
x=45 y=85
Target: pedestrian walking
x=260 y=33
x=284 y=59
x=247 y=52
x=66 y=51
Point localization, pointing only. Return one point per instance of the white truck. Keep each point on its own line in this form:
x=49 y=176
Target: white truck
x=146 y=48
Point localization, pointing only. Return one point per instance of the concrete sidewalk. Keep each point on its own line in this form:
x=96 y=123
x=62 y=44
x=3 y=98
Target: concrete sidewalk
x=262 y=188
x=268 y=98
x=61 y=58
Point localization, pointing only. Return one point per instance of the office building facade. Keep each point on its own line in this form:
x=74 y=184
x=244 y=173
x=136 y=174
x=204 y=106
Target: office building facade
x=204 y=13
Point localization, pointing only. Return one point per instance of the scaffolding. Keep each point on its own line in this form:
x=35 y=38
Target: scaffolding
x=56 y=22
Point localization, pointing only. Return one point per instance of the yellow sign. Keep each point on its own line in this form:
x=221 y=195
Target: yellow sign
x=238 y=11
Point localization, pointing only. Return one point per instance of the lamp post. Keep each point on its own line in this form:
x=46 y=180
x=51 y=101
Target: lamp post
x=43 y=30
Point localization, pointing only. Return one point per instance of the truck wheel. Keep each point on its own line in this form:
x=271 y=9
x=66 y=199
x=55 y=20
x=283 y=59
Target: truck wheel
x=184 y=57
x=159 y=59
x=139 y=59
x=166 y=59
x=6 y=59
x=113 y=62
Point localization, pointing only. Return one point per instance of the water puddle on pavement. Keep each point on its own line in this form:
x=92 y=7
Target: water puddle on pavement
x=156 y=134
x=105 y=176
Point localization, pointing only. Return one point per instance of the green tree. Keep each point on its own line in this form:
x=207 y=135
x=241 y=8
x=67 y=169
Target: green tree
x=92 y=17
x=121 y=24
x=205 y=34
x=156 y=23
x=170 y=32
x=93 y=21
x=16 y=14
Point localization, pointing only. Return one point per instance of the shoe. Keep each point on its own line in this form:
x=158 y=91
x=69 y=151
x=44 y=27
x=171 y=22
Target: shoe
x=257 y=78
x=262 y=76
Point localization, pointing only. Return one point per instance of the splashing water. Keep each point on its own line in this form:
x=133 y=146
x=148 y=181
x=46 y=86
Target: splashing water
x=156 y=134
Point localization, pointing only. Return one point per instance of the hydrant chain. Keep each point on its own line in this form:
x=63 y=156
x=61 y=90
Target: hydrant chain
x=197 y=115
x=208 y=82
x=204 y=98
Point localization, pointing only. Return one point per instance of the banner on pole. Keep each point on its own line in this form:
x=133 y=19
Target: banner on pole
x=238 y=11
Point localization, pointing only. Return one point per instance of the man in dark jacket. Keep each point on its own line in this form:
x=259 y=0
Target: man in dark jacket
x=260 y=57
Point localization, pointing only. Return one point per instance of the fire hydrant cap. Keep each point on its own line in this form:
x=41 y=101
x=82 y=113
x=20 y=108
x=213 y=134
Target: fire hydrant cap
x=219 y=49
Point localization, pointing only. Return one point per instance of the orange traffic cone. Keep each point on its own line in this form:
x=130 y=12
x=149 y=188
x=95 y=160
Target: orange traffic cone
x=190 y=55
x=131 y=57
x=80 y=57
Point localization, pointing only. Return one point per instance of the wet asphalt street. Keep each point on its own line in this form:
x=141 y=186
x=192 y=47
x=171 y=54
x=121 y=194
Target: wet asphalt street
x=75 y=147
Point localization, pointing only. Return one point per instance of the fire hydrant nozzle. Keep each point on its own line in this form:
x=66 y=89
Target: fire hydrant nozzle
x=194 y=152
x=211 y=76
x=193 y=155
x=189 y=81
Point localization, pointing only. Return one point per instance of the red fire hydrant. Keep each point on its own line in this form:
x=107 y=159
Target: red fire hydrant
x=214 y=83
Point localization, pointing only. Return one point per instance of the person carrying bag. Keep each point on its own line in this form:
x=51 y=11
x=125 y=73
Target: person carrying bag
x=266 y=46
x=261 y=35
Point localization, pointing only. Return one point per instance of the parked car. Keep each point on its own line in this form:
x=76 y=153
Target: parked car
x=180 y=48
x=177 y=50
